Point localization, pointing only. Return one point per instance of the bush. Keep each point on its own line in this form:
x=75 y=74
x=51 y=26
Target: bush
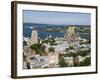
x=24 y=43
x=39 y=48
x=62 y=62
x=51 y=49
x=86 y=62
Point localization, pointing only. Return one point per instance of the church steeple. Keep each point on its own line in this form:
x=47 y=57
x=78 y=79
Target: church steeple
x=71 y=34
x=34 y=36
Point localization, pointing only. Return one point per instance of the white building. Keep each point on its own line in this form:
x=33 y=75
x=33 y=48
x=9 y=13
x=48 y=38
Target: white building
x=53 y=59
x=60 y=48
x=37 y=61
x=69 y=61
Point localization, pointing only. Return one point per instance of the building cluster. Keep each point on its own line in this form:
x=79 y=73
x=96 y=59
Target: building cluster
x=50 y=58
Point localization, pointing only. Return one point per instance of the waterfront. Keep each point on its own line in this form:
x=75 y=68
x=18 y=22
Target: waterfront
x=27 y=29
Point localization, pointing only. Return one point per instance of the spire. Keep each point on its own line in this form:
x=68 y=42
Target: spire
x=71 y=34
x=34 y=36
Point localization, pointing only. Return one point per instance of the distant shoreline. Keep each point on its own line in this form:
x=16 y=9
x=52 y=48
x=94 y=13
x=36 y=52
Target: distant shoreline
x=45 y=30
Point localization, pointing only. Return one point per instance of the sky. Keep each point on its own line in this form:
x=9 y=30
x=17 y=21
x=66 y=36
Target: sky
x=58 y=18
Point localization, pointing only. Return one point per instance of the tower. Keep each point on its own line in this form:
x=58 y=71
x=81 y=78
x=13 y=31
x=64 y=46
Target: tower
x=34 y=37
x=72 y=35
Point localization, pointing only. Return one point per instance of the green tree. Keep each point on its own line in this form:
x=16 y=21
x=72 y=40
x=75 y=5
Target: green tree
x=83 y=53
x=62 y=62
x=50 y=40
x=71 y=47
x=39 y=48
x=86 y=62
x=75 y=57
x=24 y=43
x=70 y=54
x=51 y=49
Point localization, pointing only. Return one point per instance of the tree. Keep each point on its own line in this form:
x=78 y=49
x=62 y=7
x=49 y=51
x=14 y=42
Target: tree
x=39 y=48
x=62 y=62
x=75 y=57
x=86 y=62
x=50 y=40
x=71 y=47
x=51 y=49
x=83 y=53
x=24 y=43
x=70 y=54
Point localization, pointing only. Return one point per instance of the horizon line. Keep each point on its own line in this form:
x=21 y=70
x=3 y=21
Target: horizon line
x=55 y=24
